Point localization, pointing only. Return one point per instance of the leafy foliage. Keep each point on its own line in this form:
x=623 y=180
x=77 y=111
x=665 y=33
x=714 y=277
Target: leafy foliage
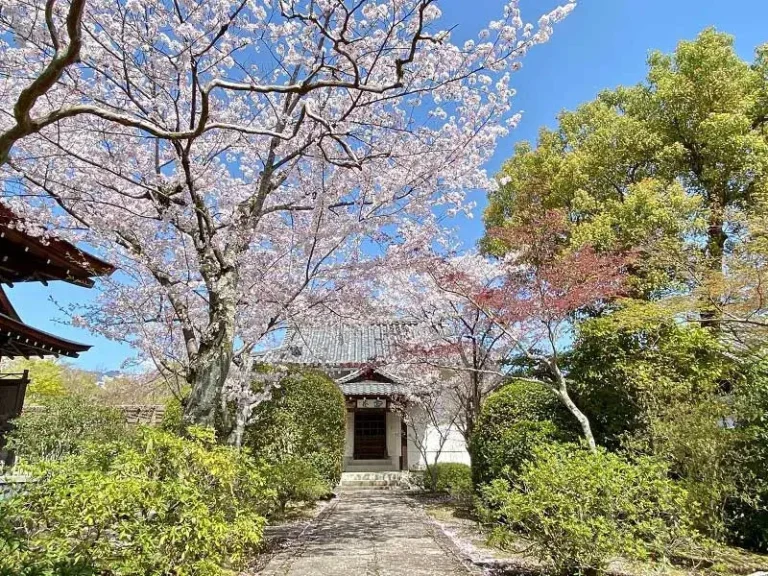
x=63 y=428
x=153 y=504
x=583 y=508
x=295 y=479
x=454 y=479
x=661 y=388
x=635 y=365
x=747 y=515
x=616 y=164
x=514 y=420
x=47 y=378
x=304 y=420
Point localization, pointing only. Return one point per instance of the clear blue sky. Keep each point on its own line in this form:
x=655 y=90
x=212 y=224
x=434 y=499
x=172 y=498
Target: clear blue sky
x=603 y=43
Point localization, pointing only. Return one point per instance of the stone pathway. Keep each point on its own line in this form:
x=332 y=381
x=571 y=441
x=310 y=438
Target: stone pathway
x=368 y=533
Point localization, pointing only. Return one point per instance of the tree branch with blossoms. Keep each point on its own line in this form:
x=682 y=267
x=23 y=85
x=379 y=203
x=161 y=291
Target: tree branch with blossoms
x=528 y=302
x=249 y=163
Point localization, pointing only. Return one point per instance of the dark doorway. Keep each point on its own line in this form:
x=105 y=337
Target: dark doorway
x=403 y=445
x=370 y=434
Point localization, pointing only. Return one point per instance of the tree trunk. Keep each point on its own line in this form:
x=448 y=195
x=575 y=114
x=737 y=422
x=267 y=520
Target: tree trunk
x=209 y=367
x=716 y=238
x=586 y=428
x=560 y=387
x=205 y=405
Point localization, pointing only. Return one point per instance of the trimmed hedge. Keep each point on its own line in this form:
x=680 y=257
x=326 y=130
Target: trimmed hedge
x=305 y=419
x=514 y=420
x=454 y=479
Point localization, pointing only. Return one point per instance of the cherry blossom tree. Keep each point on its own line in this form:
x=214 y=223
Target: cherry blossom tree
x=459 y=353
x=483 y=314
x=40 y=69
x=246 y=161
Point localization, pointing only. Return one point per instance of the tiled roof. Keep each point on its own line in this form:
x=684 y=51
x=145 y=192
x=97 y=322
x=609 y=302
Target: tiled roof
x=339 y=344
x=371 y=388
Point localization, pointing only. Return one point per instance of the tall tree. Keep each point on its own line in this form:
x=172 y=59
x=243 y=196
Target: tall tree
x=617 y=163
x=244 y=162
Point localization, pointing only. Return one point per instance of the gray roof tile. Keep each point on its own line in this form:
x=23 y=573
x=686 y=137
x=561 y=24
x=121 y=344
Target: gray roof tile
x=339 y=344
x=372 y=388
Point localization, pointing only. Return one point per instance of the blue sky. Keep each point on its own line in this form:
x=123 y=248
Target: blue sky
x=602 y=44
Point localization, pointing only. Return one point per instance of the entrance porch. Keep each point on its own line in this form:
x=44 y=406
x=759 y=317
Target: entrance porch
x=376 y=436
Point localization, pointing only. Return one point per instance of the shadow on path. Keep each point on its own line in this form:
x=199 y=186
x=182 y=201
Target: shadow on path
x=374 y=533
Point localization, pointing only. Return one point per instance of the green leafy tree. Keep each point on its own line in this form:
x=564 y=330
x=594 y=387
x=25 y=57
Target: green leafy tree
x=46 y=378
x=51 y=379
x=616 y=165
x=635 y=365
x=658 y=387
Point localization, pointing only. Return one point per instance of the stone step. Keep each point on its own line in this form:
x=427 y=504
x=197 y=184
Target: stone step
x=372 y=480
x=385 y=475
x=370 y=465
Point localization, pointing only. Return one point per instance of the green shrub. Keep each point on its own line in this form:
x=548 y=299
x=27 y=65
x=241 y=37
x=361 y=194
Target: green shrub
x=173 y=416
x=153 y=504
x=630 y=368
x=296 y=480
x=582 y=508
x=703 y=456
x=305 y=419
x=513 y=421
x=455 y=479
x=747 y=516
x=62 y=428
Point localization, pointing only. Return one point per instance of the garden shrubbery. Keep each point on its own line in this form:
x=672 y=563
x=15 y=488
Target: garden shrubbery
x=583 y=508
x=684 y=429
x=105 y=498
x=514 y=420
x=63 y=427
x=153 y=503
x=300 y=433
x=452 y=478
x=294 y=479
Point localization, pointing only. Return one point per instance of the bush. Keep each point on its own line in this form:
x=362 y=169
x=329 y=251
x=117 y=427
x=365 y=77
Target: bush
x=747 y=517
x=703 y=456
x=62 y=428
x=630 y=368
x=454 y=479
x=296 y=480
x=304 y=420
x=513 y=421
x=582 y=508
x=154 y=504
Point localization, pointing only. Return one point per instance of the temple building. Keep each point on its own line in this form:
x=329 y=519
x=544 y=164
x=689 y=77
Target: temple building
x=26 y=258
x=385 y=430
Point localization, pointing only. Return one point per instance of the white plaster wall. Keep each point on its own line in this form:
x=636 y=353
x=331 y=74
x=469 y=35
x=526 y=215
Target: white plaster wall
x=349 y=445
x=428 y=436
x=393 y=436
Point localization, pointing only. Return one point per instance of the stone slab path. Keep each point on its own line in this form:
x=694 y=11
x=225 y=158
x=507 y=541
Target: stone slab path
x=368 y=533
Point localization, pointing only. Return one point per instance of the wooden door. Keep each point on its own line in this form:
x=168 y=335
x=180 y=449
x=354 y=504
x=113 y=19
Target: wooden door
x=370 y=434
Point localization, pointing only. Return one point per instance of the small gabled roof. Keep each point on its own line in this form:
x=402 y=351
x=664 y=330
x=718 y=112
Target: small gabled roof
x=372 y=381
x=373 y=388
